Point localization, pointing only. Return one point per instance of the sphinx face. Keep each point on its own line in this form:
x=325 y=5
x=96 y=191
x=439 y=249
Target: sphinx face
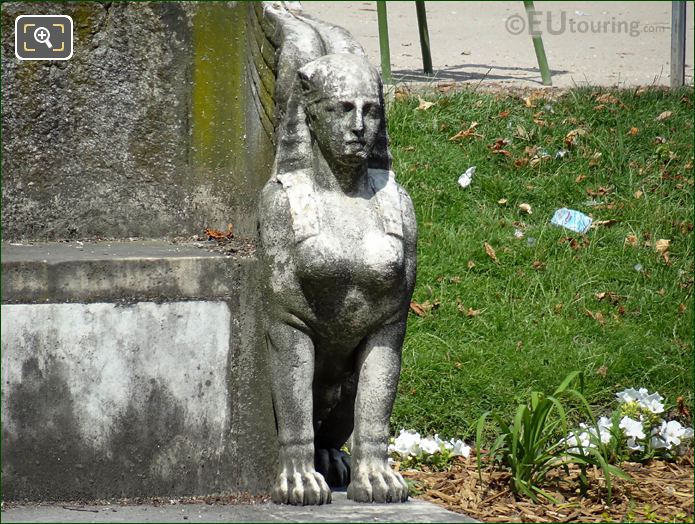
x=346 y=127
x=343 y=107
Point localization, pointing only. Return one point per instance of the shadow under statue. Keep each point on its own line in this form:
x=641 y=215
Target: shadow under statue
x=338 y=247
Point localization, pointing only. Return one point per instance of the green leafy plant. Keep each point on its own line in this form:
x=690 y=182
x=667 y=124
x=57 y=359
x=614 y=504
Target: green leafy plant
x=529 y=447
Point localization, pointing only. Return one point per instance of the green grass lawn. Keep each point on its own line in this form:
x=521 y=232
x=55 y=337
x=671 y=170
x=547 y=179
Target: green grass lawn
x=554 y=301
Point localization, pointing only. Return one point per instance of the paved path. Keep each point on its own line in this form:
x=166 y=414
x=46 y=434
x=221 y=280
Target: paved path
x=603 y=43
x=340 y=510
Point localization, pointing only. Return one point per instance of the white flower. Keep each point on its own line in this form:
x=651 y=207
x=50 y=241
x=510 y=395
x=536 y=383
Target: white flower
x=630 y=395
x=672 y=432
x=459 y=448
x=632 y=428
x=657 y=442
x=646 y=400
x=604 y=426
x=633 y=446
x=429 y=445
x=407 y=443
x=653 y=403
x=578 y=442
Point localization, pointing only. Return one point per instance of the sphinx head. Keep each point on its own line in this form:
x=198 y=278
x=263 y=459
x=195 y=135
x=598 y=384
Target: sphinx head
x=344 y=108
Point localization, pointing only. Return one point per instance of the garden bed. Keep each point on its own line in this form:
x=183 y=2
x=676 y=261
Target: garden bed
x=659 y=492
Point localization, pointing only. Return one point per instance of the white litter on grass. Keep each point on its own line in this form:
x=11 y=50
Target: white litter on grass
x=466 y=178
x=572 y=220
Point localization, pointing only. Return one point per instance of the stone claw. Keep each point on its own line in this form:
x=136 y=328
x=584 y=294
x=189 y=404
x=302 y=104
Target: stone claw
x=377 y=483
x=301 y=487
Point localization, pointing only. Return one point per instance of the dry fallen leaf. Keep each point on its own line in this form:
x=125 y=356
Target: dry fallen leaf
x=490 y=251
x=470 y=264
x=574 y=244
x=595 y=159
x=602 y=371
x=631 y=240
x=613 y=298
x=538 y=265
x=502 y=201
x=607 y=98
x=472 y=312
x=572 y=137
x=638 y=194
x=601 y=191
x=467 y=133
x=424 y=104
x=633 y=131
x=597 y=316
x=216 y=234
x=417 y=309
x=681 y=308
x=469 y=312
x=526 y=208
x=662 y=245
x=664 y=116
x=522 y=133
x=421 y=310
x=520 y=162
x=580 y=178
x=503 y=114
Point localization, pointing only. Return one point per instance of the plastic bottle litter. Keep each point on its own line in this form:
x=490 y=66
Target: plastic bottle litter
x=466 y=178
x=572 y=220
x=560 y=153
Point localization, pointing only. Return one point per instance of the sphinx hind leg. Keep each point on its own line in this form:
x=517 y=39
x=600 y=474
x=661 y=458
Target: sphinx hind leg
x=333 y=430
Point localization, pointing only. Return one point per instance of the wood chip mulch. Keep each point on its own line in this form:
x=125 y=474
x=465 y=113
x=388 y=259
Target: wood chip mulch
x=658 y=490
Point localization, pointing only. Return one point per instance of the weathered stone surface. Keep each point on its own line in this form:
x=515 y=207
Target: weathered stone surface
x=337 y=247
x=150 y=130
x=341 y=510
x=110 y=394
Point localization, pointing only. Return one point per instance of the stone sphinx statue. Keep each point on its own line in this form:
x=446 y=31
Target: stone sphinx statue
x=338 y=247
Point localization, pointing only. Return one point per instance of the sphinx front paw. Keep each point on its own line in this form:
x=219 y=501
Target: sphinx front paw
x=377 y=482
x=300 y=486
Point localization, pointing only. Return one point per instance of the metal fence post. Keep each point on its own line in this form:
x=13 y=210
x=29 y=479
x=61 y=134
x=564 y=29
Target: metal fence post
x=424 y=36
x=677 y=44
x=384 y=41
x=538 y=47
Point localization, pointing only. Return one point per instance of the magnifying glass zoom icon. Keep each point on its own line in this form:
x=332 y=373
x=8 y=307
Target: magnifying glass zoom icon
x=42 y=36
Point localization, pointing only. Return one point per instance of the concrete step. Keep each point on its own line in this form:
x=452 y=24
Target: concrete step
x=131 y=369
x=340 y=510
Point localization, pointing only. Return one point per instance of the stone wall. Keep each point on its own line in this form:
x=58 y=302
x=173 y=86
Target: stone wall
x=132 y=369
x=159 y=126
